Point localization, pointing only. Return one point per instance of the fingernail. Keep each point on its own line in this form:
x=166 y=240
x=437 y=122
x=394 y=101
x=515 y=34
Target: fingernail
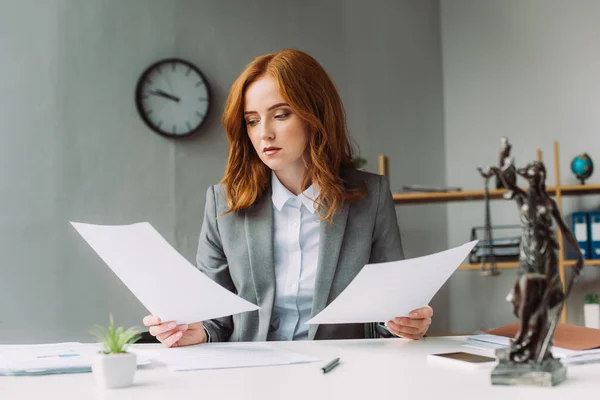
x=178 y=335
x=172 y=325
x=183 y=327
x=414 y=315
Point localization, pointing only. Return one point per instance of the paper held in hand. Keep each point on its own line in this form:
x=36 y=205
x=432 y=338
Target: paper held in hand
x=166 y=283
x=383 y=291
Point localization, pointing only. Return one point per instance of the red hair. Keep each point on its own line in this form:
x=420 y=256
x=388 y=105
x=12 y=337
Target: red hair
x=309 y=91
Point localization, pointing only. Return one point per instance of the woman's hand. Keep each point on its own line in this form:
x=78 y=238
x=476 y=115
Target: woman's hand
x=172 y=335
x=414 y=326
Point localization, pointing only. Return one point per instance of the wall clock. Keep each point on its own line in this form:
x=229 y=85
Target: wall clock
x=172 y=97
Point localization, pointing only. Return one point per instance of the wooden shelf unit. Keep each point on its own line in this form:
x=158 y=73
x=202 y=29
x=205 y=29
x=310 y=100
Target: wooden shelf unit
x=476 y=195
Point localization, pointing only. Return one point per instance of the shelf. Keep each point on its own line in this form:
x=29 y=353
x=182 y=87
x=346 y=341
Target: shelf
x=515 y=264
x=472 y=195
x=587 y=263
x=569 y=190
x=501 y=265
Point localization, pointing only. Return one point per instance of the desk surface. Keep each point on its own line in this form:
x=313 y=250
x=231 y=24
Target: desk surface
x=369 y=369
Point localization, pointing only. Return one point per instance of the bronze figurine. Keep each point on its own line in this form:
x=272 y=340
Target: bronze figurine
x=537 y=296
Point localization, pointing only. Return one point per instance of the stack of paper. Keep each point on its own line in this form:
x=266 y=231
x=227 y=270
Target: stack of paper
x=54 y=358
x=489 y=343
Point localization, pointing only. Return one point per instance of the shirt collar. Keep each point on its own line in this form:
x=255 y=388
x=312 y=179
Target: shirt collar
x=282 y=195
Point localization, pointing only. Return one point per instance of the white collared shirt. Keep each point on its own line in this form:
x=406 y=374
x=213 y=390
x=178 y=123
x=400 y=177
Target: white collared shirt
x=296 y=249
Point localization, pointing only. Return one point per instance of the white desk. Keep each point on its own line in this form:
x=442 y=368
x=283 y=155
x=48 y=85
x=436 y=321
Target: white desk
x=379 y=369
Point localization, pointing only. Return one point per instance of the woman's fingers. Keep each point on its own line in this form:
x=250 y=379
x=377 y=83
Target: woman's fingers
x=163 y=336
x=171 y=341
x=156 y=330
x=150 y=320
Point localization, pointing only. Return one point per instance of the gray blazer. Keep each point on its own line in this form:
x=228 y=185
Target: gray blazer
x=236 y=251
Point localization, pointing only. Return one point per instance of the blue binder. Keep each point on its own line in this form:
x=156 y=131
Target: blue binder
x=594 y=221
x=580 y=227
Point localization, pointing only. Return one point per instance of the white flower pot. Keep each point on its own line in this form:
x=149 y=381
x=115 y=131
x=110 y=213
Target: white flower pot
x=114 y=370
x=591 y=315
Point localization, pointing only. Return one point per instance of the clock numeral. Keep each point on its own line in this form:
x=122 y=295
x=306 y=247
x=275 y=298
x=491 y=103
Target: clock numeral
x=202 y=99
x=199 y=83
x=198 y=113
x=188 y=72
x=148 y=112
x=174 y=129
x=148 y=81
x=173 y=66
x=159 y=124
x=189 y=126
x=144 y=96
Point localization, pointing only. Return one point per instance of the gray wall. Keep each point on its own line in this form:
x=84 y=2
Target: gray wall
x=529 y=70
x=74 y=147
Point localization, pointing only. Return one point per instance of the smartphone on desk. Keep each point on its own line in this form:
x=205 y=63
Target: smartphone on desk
x=461 y=359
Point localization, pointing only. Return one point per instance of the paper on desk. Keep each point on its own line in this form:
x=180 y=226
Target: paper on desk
x=229 y=355
x=383 y=291
x=51 y=358
x=162 y=279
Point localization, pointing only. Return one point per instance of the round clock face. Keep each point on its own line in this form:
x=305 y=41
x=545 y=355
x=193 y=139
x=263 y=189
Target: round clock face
x=172 y=97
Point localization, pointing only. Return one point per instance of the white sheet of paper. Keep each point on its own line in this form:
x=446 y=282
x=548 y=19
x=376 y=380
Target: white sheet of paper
x=166 y=283
x=383 y=291
x=229 y=355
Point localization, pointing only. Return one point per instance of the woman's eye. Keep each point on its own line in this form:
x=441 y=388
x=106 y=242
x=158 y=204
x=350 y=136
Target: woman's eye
x=282 y=116
x=251 y=122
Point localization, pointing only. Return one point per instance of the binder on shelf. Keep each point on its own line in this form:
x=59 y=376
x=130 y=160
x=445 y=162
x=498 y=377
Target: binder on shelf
x=580 y=227
x=594 y=222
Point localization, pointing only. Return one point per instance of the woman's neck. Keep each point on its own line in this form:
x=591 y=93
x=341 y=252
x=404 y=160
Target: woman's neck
x=292 y=180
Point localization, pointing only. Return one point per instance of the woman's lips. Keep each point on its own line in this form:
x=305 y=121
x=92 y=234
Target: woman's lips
x=271 y=150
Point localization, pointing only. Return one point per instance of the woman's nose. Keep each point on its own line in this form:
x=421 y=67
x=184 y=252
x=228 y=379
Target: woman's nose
x=266 y=133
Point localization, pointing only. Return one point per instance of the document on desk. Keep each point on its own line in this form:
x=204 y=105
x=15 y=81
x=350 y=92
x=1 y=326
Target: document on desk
x=229 y=355
x=382 y=291
x=51 y=358
x=166 y=283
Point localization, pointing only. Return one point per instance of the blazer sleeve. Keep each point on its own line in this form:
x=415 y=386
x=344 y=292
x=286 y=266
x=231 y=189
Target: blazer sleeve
x=386 y=244
x=211 y=260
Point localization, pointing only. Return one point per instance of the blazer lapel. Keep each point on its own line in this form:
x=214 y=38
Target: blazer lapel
x=331 y=239
x=259 y=236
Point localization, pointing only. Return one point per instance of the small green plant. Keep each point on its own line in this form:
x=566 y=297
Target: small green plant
x=359 y=162
x=115 y=340
x=591 y=298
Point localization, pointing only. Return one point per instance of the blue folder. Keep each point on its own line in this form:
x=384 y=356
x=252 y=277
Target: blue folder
x=594 y=234
x=581 y=229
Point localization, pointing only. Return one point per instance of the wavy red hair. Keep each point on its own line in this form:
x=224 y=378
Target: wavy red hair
x=309 y=91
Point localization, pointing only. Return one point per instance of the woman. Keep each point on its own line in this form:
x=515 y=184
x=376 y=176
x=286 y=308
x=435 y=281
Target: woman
x=292 y=222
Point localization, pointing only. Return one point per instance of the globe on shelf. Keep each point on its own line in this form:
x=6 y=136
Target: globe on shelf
x=582 y=166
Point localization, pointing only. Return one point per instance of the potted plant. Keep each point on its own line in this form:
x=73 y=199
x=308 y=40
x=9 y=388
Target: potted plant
x=591 y=310
x=359 y=162
x=114 y=366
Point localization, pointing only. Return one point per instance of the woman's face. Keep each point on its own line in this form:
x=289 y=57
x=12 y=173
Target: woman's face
x=278 y=135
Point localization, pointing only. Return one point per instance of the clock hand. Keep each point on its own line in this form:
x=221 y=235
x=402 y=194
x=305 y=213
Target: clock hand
x=161 y=93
